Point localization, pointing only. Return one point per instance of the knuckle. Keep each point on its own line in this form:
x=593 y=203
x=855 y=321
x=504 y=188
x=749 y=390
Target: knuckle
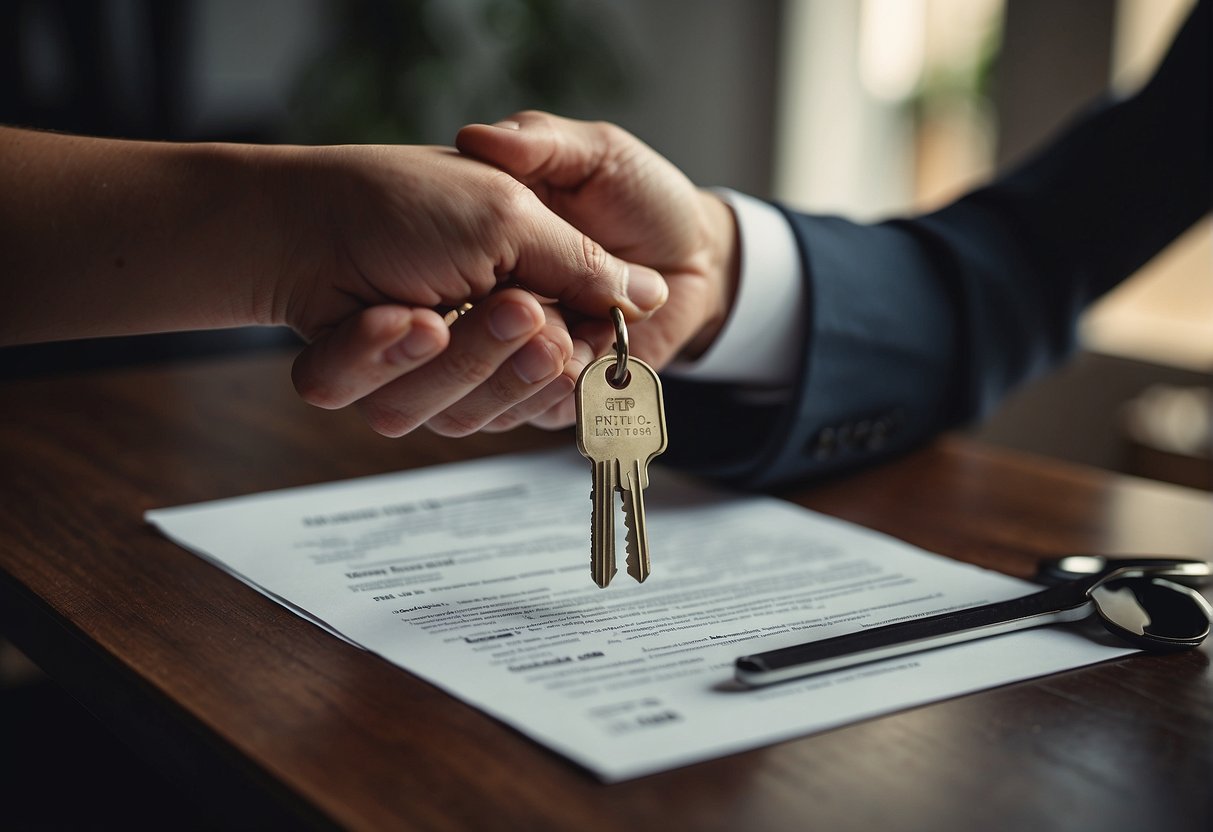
x=549 y=421
x=511 y=200
x=504 y=389
x=594 y=258
x=506 y=421
x=615 y=146
x=558 y=338
x=556 y=417
x=453 y=425
x=467 y=368
x=311 y=392
x=388 y=421
x=611 y=134
x=314 y=390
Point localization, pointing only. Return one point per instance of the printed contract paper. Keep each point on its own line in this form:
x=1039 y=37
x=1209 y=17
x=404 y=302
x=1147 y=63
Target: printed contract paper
x=475 y=576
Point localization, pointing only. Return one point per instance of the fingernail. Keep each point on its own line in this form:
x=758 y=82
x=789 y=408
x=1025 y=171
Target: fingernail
x=535 y=362
x=419 y=343
x=508 y=125
x=646 y=288
x=510 y=321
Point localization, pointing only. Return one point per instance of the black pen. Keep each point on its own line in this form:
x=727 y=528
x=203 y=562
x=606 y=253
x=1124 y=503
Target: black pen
x=1133 y=597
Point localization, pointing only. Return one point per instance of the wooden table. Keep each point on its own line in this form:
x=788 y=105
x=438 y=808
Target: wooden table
x=274 y=721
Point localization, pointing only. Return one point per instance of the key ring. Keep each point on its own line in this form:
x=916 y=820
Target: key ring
x=455 y=313
x=621 y=348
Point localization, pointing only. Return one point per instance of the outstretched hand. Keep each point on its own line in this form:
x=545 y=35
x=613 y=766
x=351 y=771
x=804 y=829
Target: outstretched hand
x=350 y=246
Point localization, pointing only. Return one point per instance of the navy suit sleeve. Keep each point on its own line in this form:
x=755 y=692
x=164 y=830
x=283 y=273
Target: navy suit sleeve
x=921 y=323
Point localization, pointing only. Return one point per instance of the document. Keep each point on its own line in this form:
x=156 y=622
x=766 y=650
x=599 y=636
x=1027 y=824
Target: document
x=475 y=576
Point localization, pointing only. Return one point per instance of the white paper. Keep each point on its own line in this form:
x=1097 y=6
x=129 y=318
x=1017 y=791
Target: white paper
x=475 y=576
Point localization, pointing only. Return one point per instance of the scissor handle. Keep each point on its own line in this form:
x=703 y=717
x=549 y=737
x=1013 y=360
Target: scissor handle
x=1187 y=571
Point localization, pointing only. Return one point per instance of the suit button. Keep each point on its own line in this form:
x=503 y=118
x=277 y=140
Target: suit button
x=824 y=444
x=843 y=439
x=878 y=434
x=863 y=429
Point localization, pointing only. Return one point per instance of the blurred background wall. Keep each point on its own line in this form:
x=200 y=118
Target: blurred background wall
x=862 y=107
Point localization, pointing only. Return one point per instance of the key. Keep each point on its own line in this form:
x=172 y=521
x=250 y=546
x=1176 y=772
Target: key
x=620 y=430
x=602 y=521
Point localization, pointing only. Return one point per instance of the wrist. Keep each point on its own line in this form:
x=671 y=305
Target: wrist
x=235 y=227
x=279 y=235
x=722 y=256
x=317 y=201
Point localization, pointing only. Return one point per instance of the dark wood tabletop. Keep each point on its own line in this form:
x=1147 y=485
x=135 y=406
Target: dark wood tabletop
x=271 y=722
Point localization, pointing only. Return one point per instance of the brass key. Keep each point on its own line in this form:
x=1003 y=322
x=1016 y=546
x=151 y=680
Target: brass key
x=620 y=428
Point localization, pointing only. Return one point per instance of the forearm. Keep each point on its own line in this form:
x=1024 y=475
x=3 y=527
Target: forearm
x=104 y=237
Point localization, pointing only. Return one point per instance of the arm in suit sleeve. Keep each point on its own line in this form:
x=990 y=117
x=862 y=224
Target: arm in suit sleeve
x=917 y=324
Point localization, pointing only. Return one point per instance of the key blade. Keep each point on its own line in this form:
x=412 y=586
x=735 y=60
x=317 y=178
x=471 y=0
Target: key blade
x=602 y=524
x=637 y=540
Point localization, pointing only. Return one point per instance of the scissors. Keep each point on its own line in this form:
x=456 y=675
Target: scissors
x=1148 y=602
x=1053 y=571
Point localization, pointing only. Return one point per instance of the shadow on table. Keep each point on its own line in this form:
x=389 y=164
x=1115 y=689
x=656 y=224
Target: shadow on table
x=35 y=360
x=67 y=771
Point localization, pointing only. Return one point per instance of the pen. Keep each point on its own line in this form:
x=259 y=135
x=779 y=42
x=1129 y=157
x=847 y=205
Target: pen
x=1050 y=606
x=1132 y=597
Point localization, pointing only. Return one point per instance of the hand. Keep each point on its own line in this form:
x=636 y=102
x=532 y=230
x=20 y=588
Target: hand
x=641 y=208
x=385 y=233
x=348 y=245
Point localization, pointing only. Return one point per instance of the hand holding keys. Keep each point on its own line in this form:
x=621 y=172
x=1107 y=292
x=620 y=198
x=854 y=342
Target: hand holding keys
x=620 y=428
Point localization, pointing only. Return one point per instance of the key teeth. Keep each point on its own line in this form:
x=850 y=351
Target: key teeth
x=632 y=543
x=594 y=545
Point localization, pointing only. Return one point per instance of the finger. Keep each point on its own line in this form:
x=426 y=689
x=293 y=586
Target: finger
x=563 y=414
x=481 y=341
x=541 y=149
x=527 y=374
x=657 y=340
x=367 y=350
x=598 y=337
x=556 y=260
x=558 y=390
x=543 y=152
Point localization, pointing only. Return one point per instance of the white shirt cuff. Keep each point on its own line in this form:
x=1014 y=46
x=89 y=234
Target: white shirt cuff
x=760 y=342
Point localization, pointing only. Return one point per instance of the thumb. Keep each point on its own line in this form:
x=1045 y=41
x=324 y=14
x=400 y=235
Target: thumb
x=556 y=260
x=543 y=152
x=541 y=149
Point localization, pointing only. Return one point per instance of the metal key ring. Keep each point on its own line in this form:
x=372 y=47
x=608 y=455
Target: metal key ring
x=455 y=313
x=621 y=347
